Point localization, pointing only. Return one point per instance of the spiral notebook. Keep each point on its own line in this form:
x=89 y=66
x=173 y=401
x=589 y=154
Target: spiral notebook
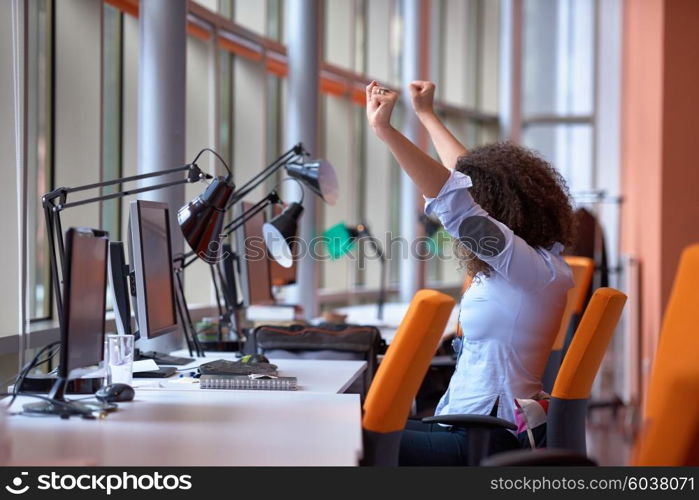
x=248 y=382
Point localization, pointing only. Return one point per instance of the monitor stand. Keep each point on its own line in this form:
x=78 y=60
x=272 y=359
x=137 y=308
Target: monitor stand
x=65 y=409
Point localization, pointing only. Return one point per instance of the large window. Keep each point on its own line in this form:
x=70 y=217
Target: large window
x=112 y=46
x=39 y=150
x=236 y=91
x=558 y=90
x=463 y=62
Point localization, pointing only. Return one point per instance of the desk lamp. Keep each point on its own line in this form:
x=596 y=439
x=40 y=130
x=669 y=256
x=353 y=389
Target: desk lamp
x=204 y=213
x=341 y=238
x=318 y=175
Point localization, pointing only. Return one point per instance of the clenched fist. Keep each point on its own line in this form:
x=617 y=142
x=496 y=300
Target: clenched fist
x=422 y=96
x=379 y=106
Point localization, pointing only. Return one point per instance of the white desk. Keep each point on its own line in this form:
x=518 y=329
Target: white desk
x=393 y=313
x=172 y=428
x=318 y=376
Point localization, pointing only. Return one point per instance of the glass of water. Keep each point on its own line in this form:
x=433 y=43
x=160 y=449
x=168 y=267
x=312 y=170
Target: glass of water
x=118 y=358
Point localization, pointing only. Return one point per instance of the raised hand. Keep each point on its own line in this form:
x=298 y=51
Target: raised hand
x=422 y=96
x=379 y=107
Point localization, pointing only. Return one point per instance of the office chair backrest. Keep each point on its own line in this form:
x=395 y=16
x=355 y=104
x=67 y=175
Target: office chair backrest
x=582 y=268
x=568 y=406
x=678 y=345
x=400 y=374
x=671 y=438
x=671 y=417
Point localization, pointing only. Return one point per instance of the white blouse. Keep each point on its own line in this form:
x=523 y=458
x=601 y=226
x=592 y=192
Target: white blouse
x=509 y=320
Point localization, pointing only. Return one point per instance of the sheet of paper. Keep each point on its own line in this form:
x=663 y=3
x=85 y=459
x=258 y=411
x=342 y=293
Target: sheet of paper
x=144 y=365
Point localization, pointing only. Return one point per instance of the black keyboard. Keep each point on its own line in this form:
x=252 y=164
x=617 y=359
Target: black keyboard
x=163 y=372
x=165 y=359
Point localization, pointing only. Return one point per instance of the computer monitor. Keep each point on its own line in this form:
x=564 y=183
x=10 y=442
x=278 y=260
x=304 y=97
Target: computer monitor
x=151 y=260
x=84 y=300
x=227 y=268
x=119 y=285
x=255 y=278
x=84 y=303
x=280 y=275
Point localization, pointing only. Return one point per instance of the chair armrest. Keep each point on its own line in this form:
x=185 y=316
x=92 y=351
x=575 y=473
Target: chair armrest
x=539 y=457
x=471 y=421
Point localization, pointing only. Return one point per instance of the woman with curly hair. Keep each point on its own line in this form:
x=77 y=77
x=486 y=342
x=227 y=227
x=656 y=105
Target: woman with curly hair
x=510 y=214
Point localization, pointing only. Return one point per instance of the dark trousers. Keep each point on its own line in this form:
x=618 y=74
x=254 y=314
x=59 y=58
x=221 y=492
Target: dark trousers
x=433 y=444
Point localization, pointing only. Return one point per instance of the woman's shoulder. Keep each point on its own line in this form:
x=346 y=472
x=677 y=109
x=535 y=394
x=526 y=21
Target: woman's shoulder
x=561 y=273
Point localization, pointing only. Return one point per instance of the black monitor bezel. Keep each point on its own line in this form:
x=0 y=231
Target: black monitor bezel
x=63 y=369
x=138 y=268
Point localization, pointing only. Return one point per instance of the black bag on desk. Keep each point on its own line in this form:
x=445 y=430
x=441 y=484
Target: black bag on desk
x=325 y=341
x=226 y=367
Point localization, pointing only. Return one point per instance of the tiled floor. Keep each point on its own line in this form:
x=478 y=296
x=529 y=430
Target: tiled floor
x=609 y=436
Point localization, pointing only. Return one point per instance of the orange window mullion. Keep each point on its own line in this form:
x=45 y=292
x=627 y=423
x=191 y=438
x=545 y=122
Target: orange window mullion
x=128 y=6
x=239 y=49
x=198 y=31
x=332 y=87
x=277 y=67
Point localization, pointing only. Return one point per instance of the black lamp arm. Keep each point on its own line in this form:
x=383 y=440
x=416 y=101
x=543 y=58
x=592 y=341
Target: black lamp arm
x=271 y=199
x=57 y=199
x=366 y=233
x=294 y=152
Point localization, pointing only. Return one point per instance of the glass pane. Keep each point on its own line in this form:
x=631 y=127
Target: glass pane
x=225 y=8
x=225 y=106
x=273 y=124
x=360 y=37
x=558 y=56
x=39 y=152
x=251 y=14
x=111 y=117
x=361 y=215
x=338 y=31
x=275 y=19
x=568 y=148
x=460 y=36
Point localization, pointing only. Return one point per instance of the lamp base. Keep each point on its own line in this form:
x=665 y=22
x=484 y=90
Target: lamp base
x=70 y=408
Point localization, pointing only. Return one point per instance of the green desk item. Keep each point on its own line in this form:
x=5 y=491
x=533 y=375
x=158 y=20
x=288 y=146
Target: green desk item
x=338 y=240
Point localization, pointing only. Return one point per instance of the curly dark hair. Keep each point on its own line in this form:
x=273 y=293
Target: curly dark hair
x=523 y=191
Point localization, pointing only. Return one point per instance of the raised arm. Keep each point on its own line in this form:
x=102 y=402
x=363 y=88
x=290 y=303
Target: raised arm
x=448 y=147
x=428 y=174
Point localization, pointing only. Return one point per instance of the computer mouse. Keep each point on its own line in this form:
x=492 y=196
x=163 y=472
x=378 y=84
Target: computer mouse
x=115 y=393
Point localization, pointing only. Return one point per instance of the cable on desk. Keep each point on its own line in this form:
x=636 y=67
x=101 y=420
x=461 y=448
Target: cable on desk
x=67 y=405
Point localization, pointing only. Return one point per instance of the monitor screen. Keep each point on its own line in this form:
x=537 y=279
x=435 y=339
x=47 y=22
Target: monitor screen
x=84 y=300
x=152 y=263
x=255 y=275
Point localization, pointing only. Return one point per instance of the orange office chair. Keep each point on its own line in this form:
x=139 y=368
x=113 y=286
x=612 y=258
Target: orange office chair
x=582 y=268
x=565 y=426
x=400 y=374
x=670 y=433
x=567 y=408
x=672 y=401
x=671 y=437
